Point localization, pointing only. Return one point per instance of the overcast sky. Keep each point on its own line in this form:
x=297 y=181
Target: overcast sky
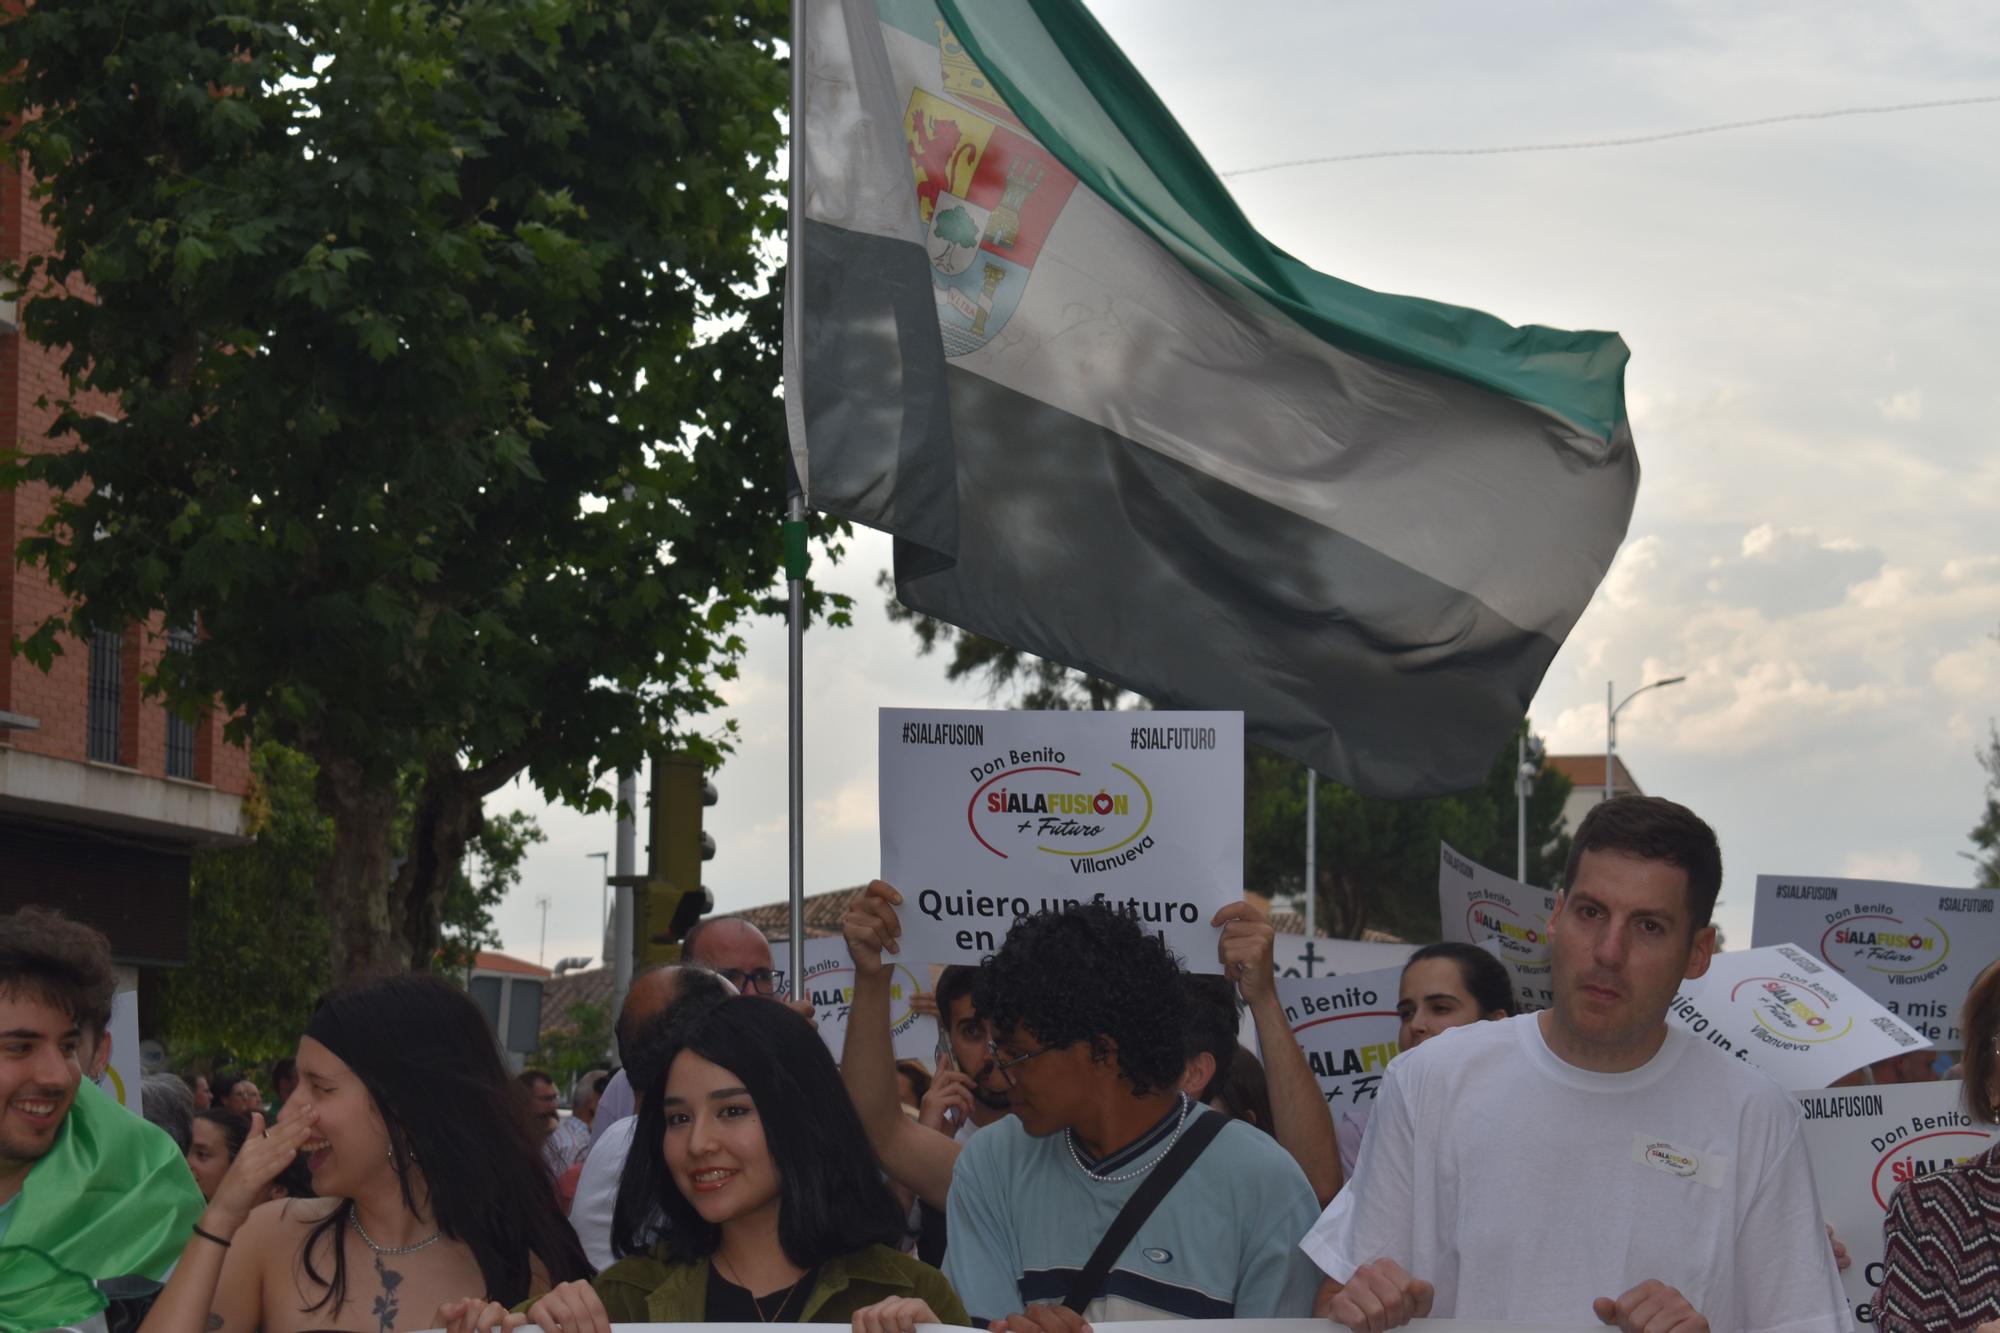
x=1813 y=310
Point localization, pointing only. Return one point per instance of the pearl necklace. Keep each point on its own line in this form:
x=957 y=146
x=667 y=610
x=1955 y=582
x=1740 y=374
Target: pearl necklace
x=354 y=1216
x=1069 y=1137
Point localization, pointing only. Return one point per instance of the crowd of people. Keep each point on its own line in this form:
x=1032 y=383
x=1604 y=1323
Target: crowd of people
x=1092 y=1145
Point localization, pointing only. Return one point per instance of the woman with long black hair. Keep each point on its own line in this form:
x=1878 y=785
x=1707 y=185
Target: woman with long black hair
x=774 y=1204
x=431 y=1181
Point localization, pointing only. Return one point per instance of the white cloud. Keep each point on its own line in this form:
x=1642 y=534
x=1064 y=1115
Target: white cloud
x=1903 y=865
x=1907 y=406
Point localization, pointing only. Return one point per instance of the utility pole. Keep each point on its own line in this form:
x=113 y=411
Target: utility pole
x=1312 y=854
x=603 y=860
x=542 y=949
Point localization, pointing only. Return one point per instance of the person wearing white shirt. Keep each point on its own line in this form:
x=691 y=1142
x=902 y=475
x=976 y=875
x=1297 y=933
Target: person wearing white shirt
x=1590 y=1160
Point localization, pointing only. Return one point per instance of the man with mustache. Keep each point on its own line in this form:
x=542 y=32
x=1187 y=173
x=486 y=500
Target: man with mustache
x=1671 y=1180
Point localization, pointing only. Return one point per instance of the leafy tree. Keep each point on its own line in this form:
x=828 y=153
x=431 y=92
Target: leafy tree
x=257 y=958
x=1377 y=860
x=1035 y=681
x=1986 y=834
x=577 y=1045
x=444 y=355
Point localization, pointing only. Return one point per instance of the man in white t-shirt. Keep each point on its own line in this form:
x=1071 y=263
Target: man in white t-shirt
x=1589 y=1159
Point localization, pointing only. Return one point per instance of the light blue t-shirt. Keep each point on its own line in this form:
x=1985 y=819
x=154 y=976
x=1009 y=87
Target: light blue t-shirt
x=1223 y=1244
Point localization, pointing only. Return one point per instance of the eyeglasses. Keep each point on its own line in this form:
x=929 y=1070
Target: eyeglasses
x=1004 y=1068
x=761 y=980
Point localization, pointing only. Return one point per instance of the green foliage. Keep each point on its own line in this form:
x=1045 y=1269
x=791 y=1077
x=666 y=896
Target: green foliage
x=444 y=349
x=256 y=937
x=257 y=959
x=1377 y=861
x=579 y=1044
x=1036 y=681
x=1986 y=834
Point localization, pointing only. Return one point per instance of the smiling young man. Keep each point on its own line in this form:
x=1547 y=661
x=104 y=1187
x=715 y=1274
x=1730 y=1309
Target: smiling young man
x=1590 y=1159
x=1088 y=1015
x=88 y=1190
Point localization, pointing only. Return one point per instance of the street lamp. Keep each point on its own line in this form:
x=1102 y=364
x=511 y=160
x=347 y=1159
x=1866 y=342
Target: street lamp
x=1611 y=722
x=1528 y=757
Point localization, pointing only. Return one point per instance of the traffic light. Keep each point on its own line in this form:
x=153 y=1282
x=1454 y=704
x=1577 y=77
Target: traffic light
x=672 y=899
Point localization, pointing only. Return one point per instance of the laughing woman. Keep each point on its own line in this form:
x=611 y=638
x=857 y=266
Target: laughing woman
x=431 y=1184
x=776 y=1211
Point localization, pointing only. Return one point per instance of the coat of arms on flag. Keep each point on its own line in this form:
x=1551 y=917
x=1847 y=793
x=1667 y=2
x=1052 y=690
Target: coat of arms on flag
x=989 y=197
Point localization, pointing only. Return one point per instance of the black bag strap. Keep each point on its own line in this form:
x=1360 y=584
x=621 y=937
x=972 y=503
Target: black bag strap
x=1197 y=1136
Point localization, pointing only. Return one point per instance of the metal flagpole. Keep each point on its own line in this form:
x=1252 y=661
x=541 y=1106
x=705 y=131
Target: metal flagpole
x=1312 y=852
x=795 y=546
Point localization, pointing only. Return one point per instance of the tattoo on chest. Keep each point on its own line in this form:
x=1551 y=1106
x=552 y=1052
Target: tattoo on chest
x=386 y=1304
x=214 y=1322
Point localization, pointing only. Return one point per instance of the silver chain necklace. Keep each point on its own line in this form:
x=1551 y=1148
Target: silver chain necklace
x=354 y=1216
x=1069 y=1137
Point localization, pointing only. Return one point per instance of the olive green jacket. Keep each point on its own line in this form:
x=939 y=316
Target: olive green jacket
x=645 y=1289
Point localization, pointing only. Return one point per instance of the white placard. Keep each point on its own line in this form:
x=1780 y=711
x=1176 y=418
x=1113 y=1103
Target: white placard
x=1318 y=956
x=1915 y=947
x=990 y=816
x=1347 y=1026
x=830 y=987
x=120 y=1079
x=1790 y=1015
x=1476 y=905
x=1864 y=1142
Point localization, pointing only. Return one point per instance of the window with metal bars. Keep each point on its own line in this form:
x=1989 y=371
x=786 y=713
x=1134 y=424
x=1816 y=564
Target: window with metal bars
x=107 y=690
x=180 y=734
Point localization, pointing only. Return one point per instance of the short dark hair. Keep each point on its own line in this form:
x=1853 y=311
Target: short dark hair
x=953 y=984
x=1978 y=1025
x=1214 y=1017
x=832 y=1199
x=1486 y=977
x=235 y=1127
x=1654 y=829
x=1089 y=973
x=1245 y=1095
x=284 y=1068
x=532 y=1078
x=65 y=964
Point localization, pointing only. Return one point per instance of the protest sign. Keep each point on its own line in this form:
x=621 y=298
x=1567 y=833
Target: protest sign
x=1347 y=1026
x=990 y=816
x=1916 y=948
x=120 y=1079
x=1318 y=956
x=830 y=988
x=1476 y=905
x=1790 y=1015
x=1864 y=1142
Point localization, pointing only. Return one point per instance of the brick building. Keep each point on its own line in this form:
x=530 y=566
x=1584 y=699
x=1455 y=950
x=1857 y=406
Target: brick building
x=104 y=796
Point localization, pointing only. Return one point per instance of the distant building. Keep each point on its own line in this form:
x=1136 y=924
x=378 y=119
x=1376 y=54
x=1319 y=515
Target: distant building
x=1586 y=775
x=104 y=796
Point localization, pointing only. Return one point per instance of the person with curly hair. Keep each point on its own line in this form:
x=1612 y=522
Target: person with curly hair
x=1089 y=1015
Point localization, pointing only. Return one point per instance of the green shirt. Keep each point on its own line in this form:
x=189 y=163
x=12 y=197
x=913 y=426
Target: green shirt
x=647 y=1289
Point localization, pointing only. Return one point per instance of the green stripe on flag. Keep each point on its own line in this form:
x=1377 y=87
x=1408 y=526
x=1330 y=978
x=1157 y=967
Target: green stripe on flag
x=1072 y=87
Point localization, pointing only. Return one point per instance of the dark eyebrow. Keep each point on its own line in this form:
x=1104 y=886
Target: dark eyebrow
x=32 y=1034
x=721 y=1093
x=1441 y=995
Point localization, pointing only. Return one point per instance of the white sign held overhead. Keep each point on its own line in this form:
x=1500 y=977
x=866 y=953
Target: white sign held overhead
x=1864 y=1143
x=1477 y=905
x=1347 y=1026
x=1793 y=1017
x=1915 y=947
x=120 y=1079
x=830 y=988
x=988 y=817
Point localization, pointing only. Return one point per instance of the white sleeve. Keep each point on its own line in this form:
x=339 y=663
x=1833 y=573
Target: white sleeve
x=1786 y=1279
x=616 y=1104
x=597 y=1193
x=1371 y=1217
